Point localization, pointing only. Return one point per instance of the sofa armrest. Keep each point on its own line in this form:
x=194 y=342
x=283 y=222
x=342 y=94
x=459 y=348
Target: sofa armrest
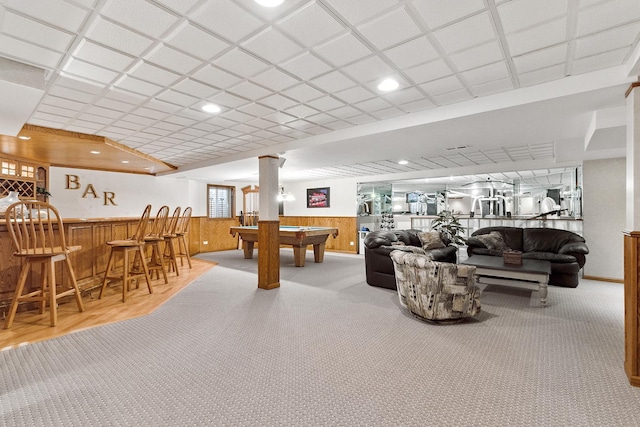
x=574 y=247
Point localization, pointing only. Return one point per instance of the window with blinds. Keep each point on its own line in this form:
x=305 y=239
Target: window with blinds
x=220 y=201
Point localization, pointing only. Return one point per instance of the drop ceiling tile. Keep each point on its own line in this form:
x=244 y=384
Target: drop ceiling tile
x=325 y=103
x=165 y=107
x=35 y=32
x=607 y=15
x=227 y=19
x=92 y=118
x=133 y=118
x=138 y=86
x=228 y=100
x=467 y=33
x=436 y=13
x=59 y=14
x=140 y=16
x=310 y=25
x=103 y=57
x=180 y=6
x=278 y=101
x=430 y=71
x=256 y=110
x=412 y=53
x=306 y=66
x=177 y=98
x=354 y=95
x=243 y=129
x=477 y=56
x=90 y=71
x=418 y=105
x=52 y=109
x=537 y=37
x=452 y=97
x=249 y=90
x=272 y=45
x=342 y=50
x=403 y=96
x=303 y=92
x=241 y=63
x=612 y=58
x=195 y=88
x=390 y=29
x=345 y=112
x=114 y=105
x=356 y=11
x=374 y=104
x=118 y=37
x=260 y=123
x=64 y=103
x=197 y=42
x=518 y=15
x=153 y=114
x=541 y=58
x=333 y=82
x=173 y=60
x=72 y=94
x=488 y=73
x=321 y=118
x=367 y=70
x=301 y=111
x=388 y=113
x=167 y=126
x=48 y=120
x=607 y=40
x=444 y=85
x=216 y=77
x=275 y=80
x=153 y=74
x=29 y=53
x=86 y=127
x=236 y=116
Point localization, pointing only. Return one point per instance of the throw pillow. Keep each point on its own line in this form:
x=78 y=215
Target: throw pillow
x=493 y=241
x=430 y=240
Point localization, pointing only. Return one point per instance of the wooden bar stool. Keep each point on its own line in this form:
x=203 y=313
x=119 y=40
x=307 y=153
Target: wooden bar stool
x=152 y=239
x=39 y=238
x=181 y=232
x=134 y=244
x=169 y=239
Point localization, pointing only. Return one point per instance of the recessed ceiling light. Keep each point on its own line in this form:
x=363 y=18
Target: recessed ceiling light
x=94 y=152
x=25 y=138
x=211 y=108
x=125 y=161
x=269 y=3
x=388 y=85
x=403 y=162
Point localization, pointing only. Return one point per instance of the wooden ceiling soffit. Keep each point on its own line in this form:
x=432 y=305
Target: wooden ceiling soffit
x=57 y=147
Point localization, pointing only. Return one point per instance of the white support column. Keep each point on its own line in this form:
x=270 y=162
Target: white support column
x=269 y=167
x=632 y=240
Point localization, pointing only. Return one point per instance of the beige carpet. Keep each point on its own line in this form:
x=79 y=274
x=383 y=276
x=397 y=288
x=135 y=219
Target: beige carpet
x=327 y=349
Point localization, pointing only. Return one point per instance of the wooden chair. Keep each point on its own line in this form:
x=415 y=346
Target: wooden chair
x=134 y=244
x=169 y=238
x=181 y=231
x=39 y=238
x=152 y=239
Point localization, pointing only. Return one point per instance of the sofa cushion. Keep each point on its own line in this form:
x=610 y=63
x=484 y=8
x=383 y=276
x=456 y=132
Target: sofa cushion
x=547 y=239
x=549 y=256
x=431 y=240
x=512 y=236
x=493 y=241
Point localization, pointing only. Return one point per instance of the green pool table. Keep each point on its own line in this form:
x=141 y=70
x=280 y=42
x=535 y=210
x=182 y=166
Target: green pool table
x=298 y=237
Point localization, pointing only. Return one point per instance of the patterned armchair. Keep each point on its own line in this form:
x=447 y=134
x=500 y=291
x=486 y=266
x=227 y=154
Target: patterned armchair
x=435 y=290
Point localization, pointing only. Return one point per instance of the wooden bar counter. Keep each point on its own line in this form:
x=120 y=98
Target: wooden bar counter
x=91 y=261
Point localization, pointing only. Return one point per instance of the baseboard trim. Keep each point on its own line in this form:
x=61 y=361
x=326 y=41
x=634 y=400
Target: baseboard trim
x=603 y=279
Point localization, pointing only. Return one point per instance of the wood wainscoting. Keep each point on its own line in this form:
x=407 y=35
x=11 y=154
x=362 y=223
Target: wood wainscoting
x=347 y=230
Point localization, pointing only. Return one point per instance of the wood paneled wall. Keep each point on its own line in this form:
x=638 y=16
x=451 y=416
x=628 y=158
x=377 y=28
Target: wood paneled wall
x=347 y=230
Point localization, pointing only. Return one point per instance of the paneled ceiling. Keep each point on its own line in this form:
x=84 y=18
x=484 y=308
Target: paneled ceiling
x=485 y=85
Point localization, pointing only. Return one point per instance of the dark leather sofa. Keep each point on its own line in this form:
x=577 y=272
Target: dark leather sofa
x=379 y=244
x=563 y=249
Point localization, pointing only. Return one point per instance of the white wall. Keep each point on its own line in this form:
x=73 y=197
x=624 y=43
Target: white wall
x=604 y=204
x=132 y=193
x=342 y=194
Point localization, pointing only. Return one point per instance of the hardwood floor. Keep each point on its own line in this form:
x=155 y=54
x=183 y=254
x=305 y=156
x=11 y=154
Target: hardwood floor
x=30 y=326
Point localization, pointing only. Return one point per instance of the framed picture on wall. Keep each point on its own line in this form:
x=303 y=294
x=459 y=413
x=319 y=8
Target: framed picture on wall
x=318 y=197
